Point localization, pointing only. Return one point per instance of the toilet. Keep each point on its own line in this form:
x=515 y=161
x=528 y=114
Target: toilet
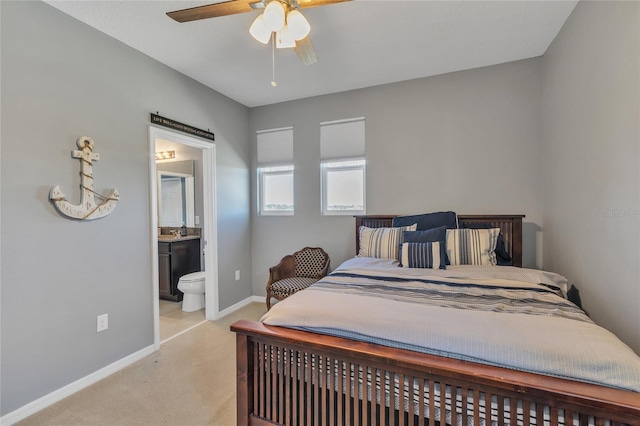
x=192 y=285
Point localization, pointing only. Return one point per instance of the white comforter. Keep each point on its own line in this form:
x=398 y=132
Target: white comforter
x=505 y=316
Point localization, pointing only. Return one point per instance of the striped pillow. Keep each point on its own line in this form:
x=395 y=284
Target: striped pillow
x=472 y=246
x=381 y=242
x=422 y=255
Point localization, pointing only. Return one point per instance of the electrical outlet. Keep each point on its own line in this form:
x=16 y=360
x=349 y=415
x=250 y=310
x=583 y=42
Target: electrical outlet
x=238 y=275
x=197 y=220
x=103 y=322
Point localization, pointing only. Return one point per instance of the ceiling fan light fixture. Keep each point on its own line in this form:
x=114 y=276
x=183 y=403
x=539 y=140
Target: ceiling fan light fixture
x=259 y=30
x=298 y=25
x=284 y=39
x=273 y=15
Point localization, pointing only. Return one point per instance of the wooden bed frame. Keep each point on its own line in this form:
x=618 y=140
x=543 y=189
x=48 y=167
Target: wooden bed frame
x=279 y=382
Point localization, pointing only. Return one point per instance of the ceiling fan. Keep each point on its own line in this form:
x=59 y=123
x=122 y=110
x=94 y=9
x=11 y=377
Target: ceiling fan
x=280 y=16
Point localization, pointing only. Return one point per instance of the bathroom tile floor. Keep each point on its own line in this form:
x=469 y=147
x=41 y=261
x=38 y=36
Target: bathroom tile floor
x=174 y=321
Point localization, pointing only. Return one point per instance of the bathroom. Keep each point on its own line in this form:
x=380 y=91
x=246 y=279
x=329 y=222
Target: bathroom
x=180 y=242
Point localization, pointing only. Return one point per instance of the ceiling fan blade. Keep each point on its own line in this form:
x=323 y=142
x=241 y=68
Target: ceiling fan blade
x=306 y=52
x=231 y=7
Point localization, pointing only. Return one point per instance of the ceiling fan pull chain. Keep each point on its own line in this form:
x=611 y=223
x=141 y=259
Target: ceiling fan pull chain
x=273 y=59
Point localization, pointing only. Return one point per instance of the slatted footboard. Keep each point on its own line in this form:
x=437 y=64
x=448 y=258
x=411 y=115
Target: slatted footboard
x=291 y=377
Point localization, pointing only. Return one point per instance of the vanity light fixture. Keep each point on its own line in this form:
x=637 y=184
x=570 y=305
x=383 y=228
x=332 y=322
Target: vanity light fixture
x=165 y=155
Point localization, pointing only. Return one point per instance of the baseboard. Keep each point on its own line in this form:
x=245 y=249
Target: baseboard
x=240 y=304
x=57 y=395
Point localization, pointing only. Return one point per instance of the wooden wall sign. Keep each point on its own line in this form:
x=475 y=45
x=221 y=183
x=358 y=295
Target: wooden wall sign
x=172 y=124
x=87 y=209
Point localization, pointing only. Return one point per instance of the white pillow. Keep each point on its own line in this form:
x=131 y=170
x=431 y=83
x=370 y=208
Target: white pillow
x=382 y=242
x=472 y=246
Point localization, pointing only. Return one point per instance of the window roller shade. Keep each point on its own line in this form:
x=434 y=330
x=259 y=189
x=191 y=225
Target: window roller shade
x=275 y=146
x=342 y=139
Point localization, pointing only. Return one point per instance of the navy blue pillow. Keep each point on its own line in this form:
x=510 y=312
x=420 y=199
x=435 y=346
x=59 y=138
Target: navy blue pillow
x=422 y=255
x=502 y=255
x=429 y=236
x=428 y=220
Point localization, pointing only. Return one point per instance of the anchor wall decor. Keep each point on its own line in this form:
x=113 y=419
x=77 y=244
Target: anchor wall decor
x=87 y=209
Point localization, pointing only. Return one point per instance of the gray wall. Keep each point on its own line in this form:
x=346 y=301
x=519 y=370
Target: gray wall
x=60 y=80
x=590 y=158
x=467 y=141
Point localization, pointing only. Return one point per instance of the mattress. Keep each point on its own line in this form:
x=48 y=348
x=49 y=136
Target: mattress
x=505 y=316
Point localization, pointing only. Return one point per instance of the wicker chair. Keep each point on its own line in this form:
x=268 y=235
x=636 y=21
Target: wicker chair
x=296 y=272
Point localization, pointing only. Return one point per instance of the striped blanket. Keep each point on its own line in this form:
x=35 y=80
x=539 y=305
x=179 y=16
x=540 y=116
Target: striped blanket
x=509 y=317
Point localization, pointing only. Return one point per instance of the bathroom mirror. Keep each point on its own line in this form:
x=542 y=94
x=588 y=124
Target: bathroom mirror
x=176 y=197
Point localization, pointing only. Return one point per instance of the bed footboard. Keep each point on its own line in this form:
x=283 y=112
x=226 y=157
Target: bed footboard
x=291 y=377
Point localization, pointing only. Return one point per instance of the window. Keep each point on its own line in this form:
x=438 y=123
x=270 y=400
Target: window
x=275 y=172
x=343 y=167
x=276 y=190
x=343 y=184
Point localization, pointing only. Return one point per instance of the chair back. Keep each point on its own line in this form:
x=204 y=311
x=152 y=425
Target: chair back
x=311 y=262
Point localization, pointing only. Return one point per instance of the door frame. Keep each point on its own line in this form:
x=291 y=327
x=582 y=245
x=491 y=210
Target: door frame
x=210 y=231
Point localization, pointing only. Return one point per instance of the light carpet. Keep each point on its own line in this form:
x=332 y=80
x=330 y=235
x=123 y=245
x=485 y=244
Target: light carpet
x=190 y=381
x=173 y=319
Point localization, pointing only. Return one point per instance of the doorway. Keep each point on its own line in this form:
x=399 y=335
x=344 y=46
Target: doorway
x=209 y=220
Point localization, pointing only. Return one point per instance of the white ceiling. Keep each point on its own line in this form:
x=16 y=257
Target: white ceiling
x=359 y=44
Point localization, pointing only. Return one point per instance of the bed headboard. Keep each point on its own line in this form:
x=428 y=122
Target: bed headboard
x=510 y=226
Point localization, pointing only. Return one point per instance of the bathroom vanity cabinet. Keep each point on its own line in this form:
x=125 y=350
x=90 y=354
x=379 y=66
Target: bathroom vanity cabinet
x=175 y=259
